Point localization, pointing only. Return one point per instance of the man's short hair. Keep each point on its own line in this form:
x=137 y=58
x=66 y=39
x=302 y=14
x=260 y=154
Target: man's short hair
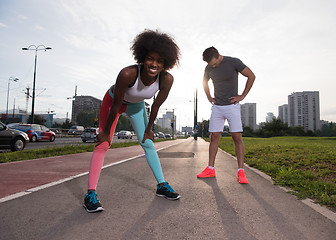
x=210 y=53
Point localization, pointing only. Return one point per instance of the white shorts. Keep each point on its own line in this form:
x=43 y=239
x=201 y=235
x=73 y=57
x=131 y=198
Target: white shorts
x=231 y=113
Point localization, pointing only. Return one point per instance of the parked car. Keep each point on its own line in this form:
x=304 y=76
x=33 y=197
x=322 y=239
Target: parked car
x=124 y=134
x=167 y=136
x=37 y=132
x=90 y=134
x=12 y=139
x=161 y=135
x=76 y=130
x=13 y=125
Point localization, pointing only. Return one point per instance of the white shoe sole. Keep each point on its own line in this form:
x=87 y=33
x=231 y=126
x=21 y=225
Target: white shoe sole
x=99 y=209
x=161 y=195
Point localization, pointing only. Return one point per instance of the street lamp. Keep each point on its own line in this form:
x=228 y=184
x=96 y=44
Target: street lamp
x=14 y=79
x=36 y=48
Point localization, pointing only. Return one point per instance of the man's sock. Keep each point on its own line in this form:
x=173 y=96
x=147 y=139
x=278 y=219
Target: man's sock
x=240 y=169
x=211 y=167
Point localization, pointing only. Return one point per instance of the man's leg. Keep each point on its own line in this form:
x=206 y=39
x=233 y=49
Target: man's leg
x=209 y=171
x=216 y=126
x=239 y=148
x=213 y=148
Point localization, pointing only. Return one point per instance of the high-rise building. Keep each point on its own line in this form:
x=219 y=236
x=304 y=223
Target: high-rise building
x=249 y=115
x=164 y=122
x=304 y=110
x=283 y=113
x=87 y=104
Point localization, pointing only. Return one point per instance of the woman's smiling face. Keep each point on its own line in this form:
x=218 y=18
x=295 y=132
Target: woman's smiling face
x=153 y=64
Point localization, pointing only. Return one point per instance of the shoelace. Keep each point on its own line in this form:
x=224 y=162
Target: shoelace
x=168 y=187
x=93 y=197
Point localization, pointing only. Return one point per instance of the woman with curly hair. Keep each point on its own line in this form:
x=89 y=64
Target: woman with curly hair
x=155 y=53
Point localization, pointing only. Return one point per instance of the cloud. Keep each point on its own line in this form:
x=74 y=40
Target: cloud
x=3 y=25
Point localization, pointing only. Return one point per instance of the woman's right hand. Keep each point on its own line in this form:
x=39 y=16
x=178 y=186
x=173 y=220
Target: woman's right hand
x=103 y=137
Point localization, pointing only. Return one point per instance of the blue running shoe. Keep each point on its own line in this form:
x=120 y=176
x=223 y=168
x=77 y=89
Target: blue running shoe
x=91 y=203
x=167 y=191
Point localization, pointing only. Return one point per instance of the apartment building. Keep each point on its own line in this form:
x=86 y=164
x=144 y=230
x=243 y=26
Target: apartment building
x=304 y=110
x=84 y=103
x=249 y=115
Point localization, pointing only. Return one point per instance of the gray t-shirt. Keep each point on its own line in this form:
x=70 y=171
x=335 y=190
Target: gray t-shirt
x=225 y=79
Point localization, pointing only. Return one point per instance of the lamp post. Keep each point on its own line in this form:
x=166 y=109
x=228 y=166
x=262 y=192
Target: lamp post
x=35 y=48
x=14 y=79
x=195 y=115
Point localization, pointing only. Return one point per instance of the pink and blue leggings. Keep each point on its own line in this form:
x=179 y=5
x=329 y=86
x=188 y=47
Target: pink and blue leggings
x=138 y=117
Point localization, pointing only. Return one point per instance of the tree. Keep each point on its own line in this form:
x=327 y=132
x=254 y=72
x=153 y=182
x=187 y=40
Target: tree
x=296 y=131
x=67 y=124
x=247 y=131
x=85 y=119
x=275 y=127
x=124 y=124
x=203 y=128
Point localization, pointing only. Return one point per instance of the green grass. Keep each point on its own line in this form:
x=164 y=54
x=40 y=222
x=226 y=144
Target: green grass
x=59 y=151
x=305 y=164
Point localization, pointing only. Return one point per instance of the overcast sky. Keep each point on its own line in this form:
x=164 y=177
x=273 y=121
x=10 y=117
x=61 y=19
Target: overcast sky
x=289 y=45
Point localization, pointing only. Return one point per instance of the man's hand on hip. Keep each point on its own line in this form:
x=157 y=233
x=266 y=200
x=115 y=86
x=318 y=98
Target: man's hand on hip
x=236 y=99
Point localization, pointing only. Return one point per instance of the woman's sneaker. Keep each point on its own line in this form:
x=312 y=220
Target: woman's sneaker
x=167 y=191
x=91 y=203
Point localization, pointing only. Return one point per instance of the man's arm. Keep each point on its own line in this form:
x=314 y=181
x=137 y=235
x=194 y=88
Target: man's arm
x=250 y=80
x=207 y=90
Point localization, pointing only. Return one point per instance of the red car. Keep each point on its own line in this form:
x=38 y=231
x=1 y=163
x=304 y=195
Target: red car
x=37 y=132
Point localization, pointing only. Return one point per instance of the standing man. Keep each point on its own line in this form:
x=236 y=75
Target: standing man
x=224 y=71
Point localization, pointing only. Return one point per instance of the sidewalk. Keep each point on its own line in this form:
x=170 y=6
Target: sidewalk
x=215 y=208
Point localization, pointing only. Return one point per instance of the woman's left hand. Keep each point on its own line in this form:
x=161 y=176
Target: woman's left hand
x=103 y=137
x=148 y=135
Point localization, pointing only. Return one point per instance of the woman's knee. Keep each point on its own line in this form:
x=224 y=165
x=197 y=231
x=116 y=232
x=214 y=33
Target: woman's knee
x=103 y=147
x=148 y=144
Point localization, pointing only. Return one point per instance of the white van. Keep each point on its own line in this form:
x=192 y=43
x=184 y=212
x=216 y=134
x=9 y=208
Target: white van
x=76 y=130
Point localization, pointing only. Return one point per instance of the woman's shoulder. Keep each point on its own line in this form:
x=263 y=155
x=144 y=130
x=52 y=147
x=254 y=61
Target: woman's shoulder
x=166 y=79
x=129 y=72
x=166 y=75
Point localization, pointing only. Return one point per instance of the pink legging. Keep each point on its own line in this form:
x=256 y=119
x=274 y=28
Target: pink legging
x=99 y=152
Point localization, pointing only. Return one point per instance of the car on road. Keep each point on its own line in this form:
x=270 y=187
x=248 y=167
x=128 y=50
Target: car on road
x=37 y=132
x=12 y=139
x=168 y=136
x=13 y=125
x=76 y=130
x=124 y=134
x=161 y=135
x=90 y=134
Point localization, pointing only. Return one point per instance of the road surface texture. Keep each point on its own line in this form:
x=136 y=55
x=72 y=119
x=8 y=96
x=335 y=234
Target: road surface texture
x=216 y=208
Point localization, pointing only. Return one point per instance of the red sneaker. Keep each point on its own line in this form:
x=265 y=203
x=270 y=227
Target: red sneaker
x=207 y=172
x=241 y=177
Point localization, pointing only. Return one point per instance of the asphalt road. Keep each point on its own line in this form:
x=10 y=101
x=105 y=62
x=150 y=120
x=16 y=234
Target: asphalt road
x=216 y=208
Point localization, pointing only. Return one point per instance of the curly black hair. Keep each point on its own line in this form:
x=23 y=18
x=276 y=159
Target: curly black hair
x=155 y=41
